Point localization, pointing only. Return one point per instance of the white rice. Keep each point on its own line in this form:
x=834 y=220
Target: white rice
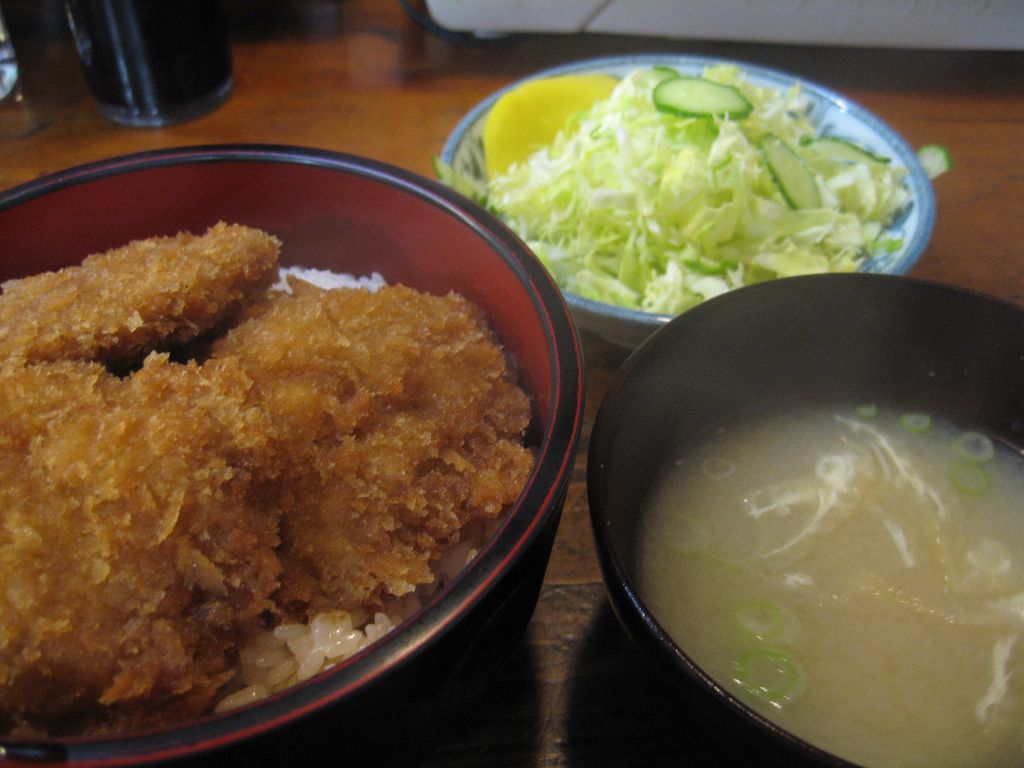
x=290 y=653
x=324 y=278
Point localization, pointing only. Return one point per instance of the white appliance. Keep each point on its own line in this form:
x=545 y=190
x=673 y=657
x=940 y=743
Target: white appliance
x=960 y=24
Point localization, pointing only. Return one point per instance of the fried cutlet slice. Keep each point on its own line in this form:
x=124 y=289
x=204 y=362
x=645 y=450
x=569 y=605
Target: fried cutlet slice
x=134 y=548
x=147 y=295
x=404 y=423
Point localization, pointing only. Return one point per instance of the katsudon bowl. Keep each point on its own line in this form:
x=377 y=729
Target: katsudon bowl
x=855 y=346
x=344 y=214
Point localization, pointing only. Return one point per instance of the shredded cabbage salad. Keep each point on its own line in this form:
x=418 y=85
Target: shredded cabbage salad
x=657 y=212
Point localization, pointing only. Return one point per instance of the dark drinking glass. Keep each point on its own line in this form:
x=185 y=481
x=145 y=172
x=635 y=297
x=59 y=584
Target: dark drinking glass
x=153 y=62
x=8 y=63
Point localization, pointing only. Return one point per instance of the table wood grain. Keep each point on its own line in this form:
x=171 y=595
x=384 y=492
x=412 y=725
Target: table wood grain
x=359 y=76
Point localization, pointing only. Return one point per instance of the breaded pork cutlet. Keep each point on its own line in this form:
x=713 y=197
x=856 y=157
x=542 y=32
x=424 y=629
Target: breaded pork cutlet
x=135 y=549
x=324 y=453
x=403 y=423
x=148 y=295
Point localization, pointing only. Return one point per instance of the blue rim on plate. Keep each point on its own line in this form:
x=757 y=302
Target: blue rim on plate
x=831 y=112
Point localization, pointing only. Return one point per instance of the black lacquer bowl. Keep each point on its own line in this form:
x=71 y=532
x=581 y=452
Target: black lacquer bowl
x=346 y=214
x=819 y=340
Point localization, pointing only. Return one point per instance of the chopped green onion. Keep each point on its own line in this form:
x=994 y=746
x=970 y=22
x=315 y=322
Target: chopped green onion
x=717 y=469
x=768 y=674
x=761 y=619
x=970 y=478
x=916 y=422
x=866 y=411
x=974 y=446
x=687 y=536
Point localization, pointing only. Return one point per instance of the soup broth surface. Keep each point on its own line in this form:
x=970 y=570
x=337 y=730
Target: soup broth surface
x=856 y=576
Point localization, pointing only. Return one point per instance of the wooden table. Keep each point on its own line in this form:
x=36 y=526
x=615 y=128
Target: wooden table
x=359 y=76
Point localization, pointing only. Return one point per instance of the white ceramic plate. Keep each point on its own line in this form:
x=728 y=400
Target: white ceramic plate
x=832 y=113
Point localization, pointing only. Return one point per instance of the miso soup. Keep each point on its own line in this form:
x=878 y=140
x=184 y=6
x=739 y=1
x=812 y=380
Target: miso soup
x=855 y=576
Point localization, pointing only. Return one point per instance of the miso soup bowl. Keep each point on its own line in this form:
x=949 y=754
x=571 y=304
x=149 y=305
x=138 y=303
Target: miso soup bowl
x=347 y=214
x=803 y=341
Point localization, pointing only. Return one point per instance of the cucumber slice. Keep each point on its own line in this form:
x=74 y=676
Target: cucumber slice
x=697 y=97
x=844 y=150
x=791 y=176
x=935 y=159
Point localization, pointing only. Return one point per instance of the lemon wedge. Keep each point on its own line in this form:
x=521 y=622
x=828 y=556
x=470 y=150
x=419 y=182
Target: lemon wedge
x=530 y=115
